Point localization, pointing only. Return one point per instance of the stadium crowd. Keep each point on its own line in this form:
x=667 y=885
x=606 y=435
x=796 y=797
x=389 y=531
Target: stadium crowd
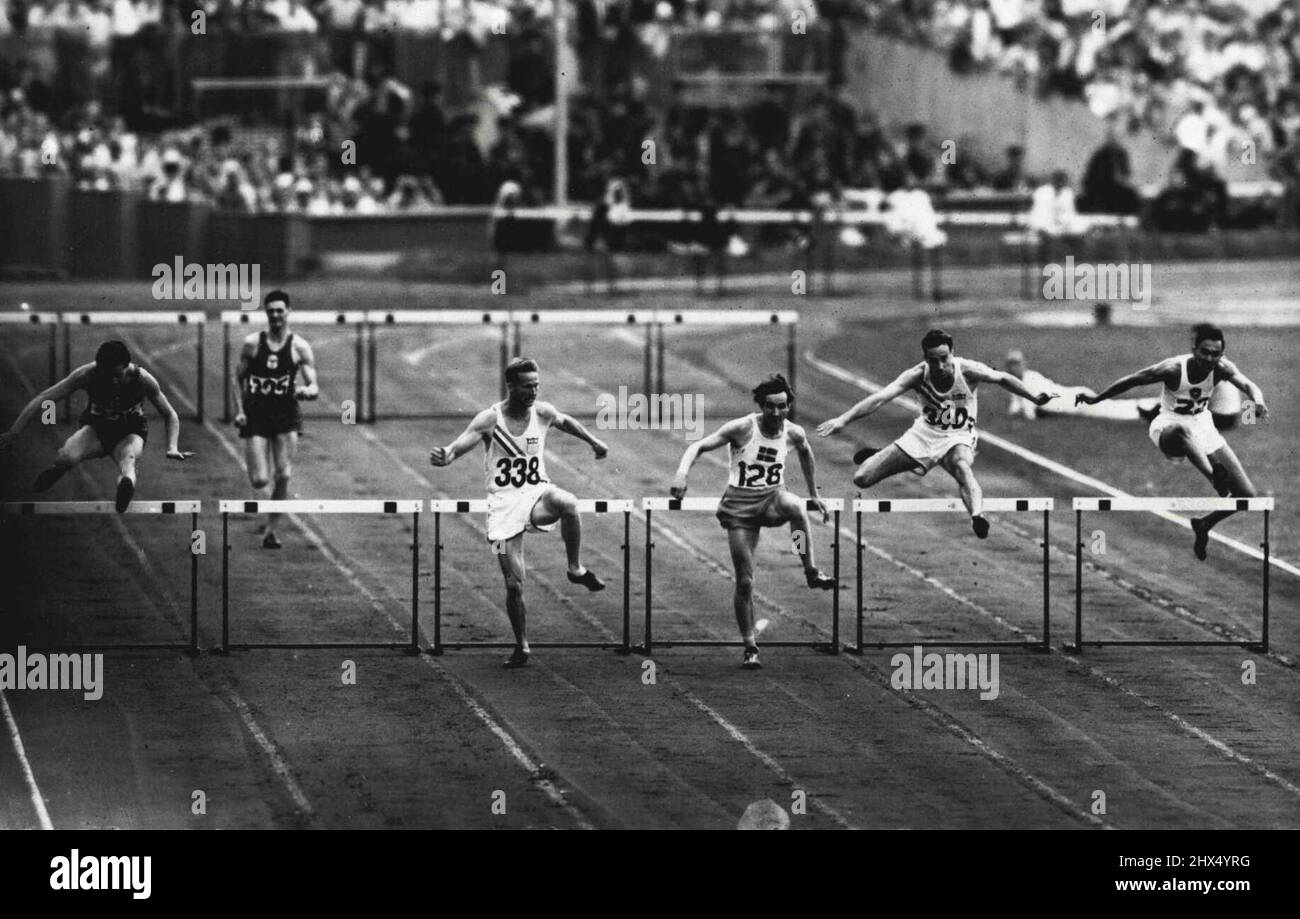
x=1219 y=74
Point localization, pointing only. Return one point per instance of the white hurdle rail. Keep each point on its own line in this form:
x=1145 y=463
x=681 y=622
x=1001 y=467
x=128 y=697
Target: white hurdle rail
x=1200 y=504
x=650 y=505
x=440 y=506
x=195 y=318
x=334 y=506
x=105 y=508
x=954 y=505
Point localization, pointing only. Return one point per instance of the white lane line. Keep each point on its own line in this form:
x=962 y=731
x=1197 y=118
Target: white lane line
x=33 y=790
x=739 y=736
x=1051 y=465
x=512 y=746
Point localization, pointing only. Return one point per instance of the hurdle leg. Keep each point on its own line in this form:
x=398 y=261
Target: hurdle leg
x=358 y=364
x=659 y=358
x=918 y=269
x=437 y=583
x=67 y=365
x=1047 y=575
x=415 y=584
x=936 y=273
x=835 y=600
x=505 y=356
x=1264 y=547
x=374 y=372
x=790 y=361
x=54 y=353
x=649 y=358
x=1078 y=582
x=225 y=583
x=194 y=586
x=647 y=648
x=858 y=647
x=198 y=382
x=627 y=583
x=225 y=373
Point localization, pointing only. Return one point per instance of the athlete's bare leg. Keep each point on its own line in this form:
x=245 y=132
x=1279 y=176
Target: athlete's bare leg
x=283 y=449
x=1241 y=487
x=958 y=464
x=889 y=461
x=125 y=455
x=743 y=543
x=510 y=556
x=82 y=445
x=557 y=504
x=1176 y=443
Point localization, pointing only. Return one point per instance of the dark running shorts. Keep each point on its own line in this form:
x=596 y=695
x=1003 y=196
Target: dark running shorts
x=113 y=432
x=749 y=508
x=269 y=425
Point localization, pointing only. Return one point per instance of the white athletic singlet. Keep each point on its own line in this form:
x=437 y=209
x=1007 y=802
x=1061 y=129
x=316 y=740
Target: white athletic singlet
x=511 y=463
x=1188 y=398
x=954 y=410
x=760 y=463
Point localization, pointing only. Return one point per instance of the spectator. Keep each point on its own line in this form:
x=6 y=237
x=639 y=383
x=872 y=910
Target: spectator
x=1012 y=177
x=1106 y=184
x=1052 y=213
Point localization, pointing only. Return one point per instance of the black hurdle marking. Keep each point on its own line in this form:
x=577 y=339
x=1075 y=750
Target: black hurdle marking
x=85 y=319
x=602 y=507
x=535 y=318
x=250 y=507
x=775 y=320
x=1103 y=504
x=27 y=507
x=885 y=507
x=243 y=317
x=487 y=318
x=462 y=507
x=1243 y=504
x=34 y=318
x=677 y=317
x=182 y=318
x=631 y=318
x=169 y=507
x=1022 y=505
x=340 y=319
x=674 y=504
x=390 y=507
x=389 y=319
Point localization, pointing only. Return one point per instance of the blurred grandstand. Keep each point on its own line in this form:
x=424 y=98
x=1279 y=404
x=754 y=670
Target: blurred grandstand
x=251 y=106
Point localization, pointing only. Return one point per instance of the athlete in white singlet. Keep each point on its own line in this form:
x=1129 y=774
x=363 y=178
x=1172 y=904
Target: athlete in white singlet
x=944 y=434
x=1184 y=427
x=520 y=496
x=758 y=445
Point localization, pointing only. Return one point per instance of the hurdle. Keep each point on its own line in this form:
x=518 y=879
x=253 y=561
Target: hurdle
x=440 y=506
x=643 y=318
x=50 y=321
x=196 y=319
x=166 y=508
x=952 y=505
x=344 y=318
x=387 y=318
x=1266 y=505
x=296 y=506
x=650 y=505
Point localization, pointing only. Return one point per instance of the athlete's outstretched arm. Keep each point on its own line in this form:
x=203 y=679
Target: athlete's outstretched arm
x=983 y=373
x=1156 y=373
x=902 y=384
x=571 y=426
x=65 y=387
x=809 y=466
x=728 y=433
x=159 y=400
x=472 y=436
x=1228 y=371
x=306 y=363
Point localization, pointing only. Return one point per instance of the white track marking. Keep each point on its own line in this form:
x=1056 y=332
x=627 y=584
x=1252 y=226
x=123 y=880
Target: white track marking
x=839 y=373
x=511 y=744
x=34 y=790
x=739 y=736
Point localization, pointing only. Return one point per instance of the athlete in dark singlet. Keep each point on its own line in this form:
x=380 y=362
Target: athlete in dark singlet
x=113 y=423
x=266 y=396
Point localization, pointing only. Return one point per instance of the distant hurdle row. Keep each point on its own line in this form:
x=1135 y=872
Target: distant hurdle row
x=366 y=353
x=861 y=508
x=510 y=324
